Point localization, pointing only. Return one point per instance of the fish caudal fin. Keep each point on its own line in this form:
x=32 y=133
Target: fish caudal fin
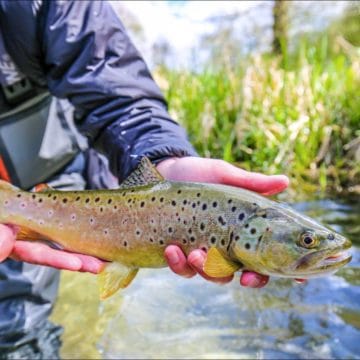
x=216 y=265
x=115 y=276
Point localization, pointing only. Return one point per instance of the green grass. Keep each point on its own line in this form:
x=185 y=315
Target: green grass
x=292 y=114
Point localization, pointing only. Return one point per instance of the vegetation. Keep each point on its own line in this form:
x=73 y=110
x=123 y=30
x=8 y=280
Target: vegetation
x=296 y=114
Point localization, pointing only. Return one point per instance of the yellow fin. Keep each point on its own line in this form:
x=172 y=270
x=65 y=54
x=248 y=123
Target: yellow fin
x=217 y=266
x=115 y=276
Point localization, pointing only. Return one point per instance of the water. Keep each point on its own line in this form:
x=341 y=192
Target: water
x=164 y=316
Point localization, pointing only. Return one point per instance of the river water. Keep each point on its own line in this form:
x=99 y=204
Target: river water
x=164 y=316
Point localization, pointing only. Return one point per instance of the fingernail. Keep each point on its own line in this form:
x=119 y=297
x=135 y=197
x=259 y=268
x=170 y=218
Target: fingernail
x=173 y=258
x=300 y=281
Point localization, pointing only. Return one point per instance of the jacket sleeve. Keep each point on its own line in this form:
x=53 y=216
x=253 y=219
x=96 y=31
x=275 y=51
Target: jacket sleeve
x=83 y=53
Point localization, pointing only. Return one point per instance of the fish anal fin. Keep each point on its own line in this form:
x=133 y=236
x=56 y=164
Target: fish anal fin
x=144 y=174
x=115 y=276
x=216 y=265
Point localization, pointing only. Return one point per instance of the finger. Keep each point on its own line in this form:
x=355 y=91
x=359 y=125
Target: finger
x=7 y=240
x=264 y=184
x=90 y=264
x=177 y=261
x=41 y=254
x=253 y=279
x=196 y=259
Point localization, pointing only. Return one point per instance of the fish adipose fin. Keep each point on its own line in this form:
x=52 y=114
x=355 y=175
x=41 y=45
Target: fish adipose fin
x=216 y=265
x=144 y=174
x=115 y=276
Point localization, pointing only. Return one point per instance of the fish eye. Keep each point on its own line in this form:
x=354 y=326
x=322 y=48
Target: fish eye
x=308 y=240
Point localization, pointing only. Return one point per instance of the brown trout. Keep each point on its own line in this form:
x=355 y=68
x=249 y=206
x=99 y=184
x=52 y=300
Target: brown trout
x=131 y=226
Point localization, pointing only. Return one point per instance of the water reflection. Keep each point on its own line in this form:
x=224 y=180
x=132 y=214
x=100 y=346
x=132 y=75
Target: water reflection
x=163 y=316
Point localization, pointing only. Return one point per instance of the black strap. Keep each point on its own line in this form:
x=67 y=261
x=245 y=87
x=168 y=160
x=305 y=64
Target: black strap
x=18 y=92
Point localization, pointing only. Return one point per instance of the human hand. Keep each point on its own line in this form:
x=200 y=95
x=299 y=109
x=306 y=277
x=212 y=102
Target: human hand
x=41 y=254
x=219 y=172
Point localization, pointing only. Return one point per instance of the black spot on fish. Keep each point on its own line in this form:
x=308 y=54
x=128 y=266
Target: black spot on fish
x=129 y=201
x=87 y=200
x=247 y=246
x=54 y=197
x=202 y=226
x=193 y=205
x=259 y=238
x=109 y=201
x=198 y=194
x=185 y=222
x=241 y=216
x=255 y=204
x=221 y=220
x=155 y=231
x=229 y=201
x=253 y=231
x=223 y=242
x=33 y=196
x=264 y=216
x=125 y=243
x=237 y=237
x=204 y=207
x=115 y=207
x=173 y=203
x=203 y=248
x=18 y=195
x=214 y=204
x=65 y=200
x=101 y=209
x=153 y=198
x=151 y=240
x=49 y=195
x=184 y=241
x=77 y=198
x=170 y=229
x=124 y=193
x=185 y=202
x=41 y=200
x=179 y=191
x=97 y=199
x=161 y=199
x=182 y=209
x=161 y=242
x=179 y=219
x=142 y=204
x=331 y=236
x=192 y=239
x=246 y=226
x=106 y=232
x=137 y=232
x=213 y=239
x=194 y=218
x=190 y=231
x=198 y=202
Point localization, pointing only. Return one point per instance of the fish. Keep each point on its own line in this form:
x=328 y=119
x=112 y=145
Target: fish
x=129 y=227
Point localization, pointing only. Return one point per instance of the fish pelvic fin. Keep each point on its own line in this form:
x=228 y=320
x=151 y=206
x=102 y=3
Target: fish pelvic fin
x=43 y=187
x=115 y=276
x=217 y=266
x=144 y=174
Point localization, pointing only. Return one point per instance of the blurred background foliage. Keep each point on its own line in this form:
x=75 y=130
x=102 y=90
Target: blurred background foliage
x=290 y=104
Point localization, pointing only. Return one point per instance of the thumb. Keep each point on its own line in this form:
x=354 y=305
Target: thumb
x=7 y=241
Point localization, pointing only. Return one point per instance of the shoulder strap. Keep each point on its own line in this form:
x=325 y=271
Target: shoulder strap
x=15 y=86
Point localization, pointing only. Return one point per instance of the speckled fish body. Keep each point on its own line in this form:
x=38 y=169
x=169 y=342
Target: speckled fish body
x=132 y=225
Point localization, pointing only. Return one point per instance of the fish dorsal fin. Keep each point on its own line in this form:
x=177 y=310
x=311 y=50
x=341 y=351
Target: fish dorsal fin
x=216 y=265
x=115 y=276
x=144 y=174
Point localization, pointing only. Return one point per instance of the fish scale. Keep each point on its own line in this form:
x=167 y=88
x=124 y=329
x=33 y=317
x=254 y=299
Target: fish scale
x=131 y=226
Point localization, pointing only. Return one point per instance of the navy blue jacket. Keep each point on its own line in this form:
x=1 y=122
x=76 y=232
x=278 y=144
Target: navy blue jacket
x=80 y=50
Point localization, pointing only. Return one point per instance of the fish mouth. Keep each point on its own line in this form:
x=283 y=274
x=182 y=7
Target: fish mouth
x=323 y=261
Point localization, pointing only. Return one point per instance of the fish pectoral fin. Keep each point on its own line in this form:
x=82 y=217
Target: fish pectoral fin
x=115 y=276
x=216 y=265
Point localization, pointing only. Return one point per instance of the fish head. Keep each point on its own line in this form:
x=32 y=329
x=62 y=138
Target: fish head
x=284 y=243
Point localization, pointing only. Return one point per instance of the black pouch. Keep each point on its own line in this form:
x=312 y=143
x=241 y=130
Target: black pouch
x=30 y=152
